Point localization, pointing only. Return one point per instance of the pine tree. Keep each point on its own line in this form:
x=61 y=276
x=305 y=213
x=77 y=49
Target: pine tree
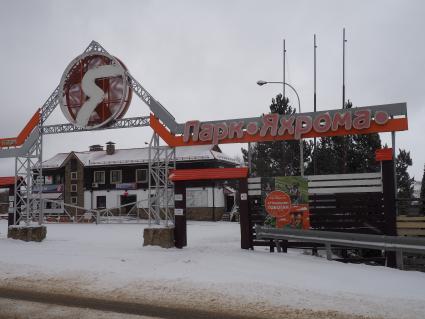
x=404 y=181
x=278 y=158
x=346 y=154
x=422 y=195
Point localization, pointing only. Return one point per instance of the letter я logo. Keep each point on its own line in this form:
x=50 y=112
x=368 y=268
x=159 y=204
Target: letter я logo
x=94 y=90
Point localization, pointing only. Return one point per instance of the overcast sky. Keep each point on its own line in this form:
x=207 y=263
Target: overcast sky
x=201 y=59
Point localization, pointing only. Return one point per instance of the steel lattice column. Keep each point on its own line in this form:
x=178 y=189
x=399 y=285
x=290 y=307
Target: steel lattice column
x=28 y=184
x=162 y=160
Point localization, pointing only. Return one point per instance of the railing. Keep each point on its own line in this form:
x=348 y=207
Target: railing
x=328 y=239
x=78 y=214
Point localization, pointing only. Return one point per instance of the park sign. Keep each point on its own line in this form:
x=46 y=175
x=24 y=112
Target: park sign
x=270 y=127
x=94 y=90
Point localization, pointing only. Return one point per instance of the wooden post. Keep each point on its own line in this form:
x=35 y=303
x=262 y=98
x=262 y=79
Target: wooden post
x=277 y=243
x=328 y=251
x=246 y=232
x=284 y=245
x=180 y=231
x=388 y=189
x=399 y=257
x=271 y=246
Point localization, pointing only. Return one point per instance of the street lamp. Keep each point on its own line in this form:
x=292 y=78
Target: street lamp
x=261 y=83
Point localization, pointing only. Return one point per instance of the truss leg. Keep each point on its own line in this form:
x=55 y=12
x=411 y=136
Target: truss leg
x=28 y=184
x=162 y=159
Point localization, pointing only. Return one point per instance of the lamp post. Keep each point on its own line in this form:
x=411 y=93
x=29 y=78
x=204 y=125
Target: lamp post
x=261 y=83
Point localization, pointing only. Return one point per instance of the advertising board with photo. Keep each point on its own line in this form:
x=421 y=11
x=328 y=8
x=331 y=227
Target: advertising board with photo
x=286 y=202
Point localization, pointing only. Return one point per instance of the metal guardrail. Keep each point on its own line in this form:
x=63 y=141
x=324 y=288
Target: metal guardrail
x=329 y=239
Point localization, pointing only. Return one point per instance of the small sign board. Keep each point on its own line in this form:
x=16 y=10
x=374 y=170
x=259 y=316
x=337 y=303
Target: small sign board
x=126 y=186
x=178 y=197
x=278 y=203
x=178 y=211
x=244 y=196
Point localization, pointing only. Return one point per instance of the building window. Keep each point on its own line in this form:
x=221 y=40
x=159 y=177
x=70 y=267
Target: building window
x=141 y=175
x=74 y=175
x=73 y=187
x=115 y=176
x=48 y=180
x=74 y=200
x=100 y=201
x=58 y=179
x=99 y=177
x=73 y=164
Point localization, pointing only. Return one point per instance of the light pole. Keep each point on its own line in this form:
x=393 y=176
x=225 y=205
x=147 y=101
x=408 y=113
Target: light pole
x=261 y=83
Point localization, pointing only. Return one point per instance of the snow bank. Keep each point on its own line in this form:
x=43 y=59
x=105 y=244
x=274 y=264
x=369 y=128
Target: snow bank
x=111 y=258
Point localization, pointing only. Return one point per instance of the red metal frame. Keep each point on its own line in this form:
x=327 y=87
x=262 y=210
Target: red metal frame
x=111 y=86
x=208 y=174
x=23 y=135
x=398 y=124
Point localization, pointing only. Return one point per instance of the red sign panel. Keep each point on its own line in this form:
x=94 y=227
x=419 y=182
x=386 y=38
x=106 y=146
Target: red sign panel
x=384 y=154
x=278 y=204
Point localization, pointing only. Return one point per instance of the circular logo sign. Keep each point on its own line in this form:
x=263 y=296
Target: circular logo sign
x=94 y=90
x=278 y=204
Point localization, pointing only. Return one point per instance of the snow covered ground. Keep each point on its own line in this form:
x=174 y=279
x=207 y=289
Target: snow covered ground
x=212 y=272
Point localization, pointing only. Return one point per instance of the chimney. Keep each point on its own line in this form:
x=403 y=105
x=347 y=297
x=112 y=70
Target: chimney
x=95 y=148
x=110 y=148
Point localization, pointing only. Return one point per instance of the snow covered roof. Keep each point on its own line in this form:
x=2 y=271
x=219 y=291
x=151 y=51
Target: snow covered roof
x=139 y=155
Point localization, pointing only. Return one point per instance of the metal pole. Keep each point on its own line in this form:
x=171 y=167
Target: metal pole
x=301 y=158
x=28 y=190
x=299 y=109
x=40 y=176
x=284 y=57
x=249 y=158
x=315 y=142
x=17 y=188
x=394 y=167
x=343 y=68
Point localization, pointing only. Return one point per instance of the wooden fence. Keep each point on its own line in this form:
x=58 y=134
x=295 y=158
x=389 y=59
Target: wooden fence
x=347 y=203
x=411 y=226
x=343 y=202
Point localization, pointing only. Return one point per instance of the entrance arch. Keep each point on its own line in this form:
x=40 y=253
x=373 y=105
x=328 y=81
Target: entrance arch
x=180 y=178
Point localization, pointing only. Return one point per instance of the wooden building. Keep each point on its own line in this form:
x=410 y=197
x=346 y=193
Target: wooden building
x=109 y=178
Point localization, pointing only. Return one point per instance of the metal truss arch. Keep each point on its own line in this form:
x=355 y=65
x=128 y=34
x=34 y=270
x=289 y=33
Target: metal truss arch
x=28 y=158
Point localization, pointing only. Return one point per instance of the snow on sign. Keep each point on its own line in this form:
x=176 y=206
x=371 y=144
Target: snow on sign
x=94 y=90
x=278 y=204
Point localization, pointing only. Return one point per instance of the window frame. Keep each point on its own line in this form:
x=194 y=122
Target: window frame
x=72 y=188
x=97 y=201
x=49 y=178
x=110 y=176
x=146 y=179
x=74 y=200
x=103 y=174
x=74 y=176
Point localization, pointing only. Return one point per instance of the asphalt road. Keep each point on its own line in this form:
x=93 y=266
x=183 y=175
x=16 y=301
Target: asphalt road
x=121 y=307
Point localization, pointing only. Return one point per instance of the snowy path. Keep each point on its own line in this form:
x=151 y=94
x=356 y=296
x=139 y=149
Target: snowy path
x=211 y=273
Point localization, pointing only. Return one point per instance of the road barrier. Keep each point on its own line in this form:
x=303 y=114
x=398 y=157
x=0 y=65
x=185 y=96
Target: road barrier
x=337 y=239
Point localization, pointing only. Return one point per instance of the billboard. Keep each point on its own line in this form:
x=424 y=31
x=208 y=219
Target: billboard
x=286 y=201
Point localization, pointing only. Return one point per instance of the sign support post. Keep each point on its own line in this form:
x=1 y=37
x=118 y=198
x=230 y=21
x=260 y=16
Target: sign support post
x=180 y=237
x=385 y=156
